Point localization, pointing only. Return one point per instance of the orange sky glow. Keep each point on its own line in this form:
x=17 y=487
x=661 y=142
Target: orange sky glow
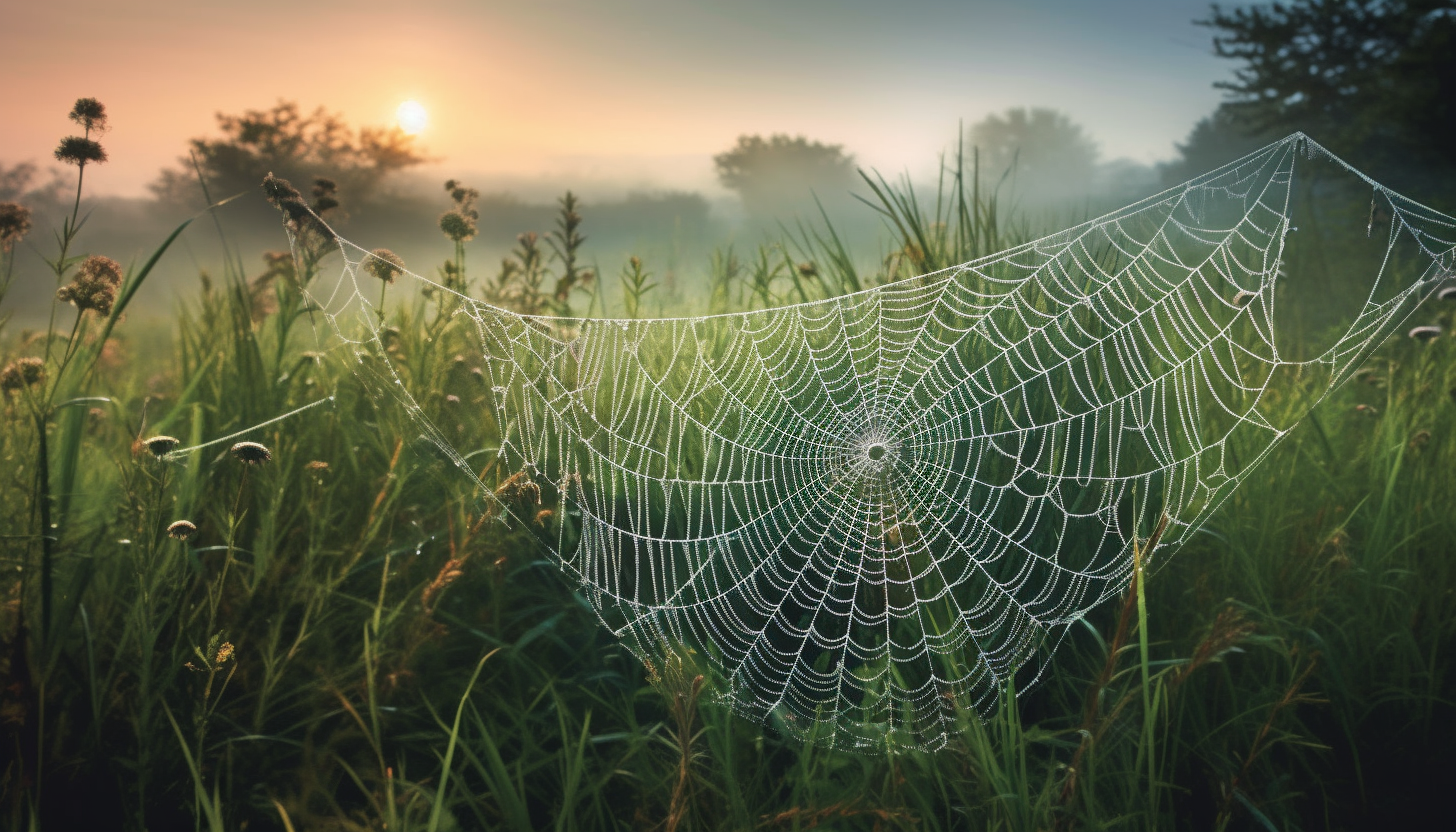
x=640 y=90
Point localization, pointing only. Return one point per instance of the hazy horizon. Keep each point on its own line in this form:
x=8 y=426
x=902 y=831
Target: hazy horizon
x=636 y=97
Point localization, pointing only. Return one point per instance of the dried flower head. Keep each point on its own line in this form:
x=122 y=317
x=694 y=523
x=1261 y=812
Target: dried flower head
x=251 y=453
x=1424 y=333
x=90 y=114
x=296 y=213
x=277 y=190
x=457 y=226
x=22 y=373
x=77 y=150
x=95 y=285
x=181 y=530
x=160 y=446
x=14 y=224
x=384 y=264
x=325 y=193
x=518 y=488
x=464 y=197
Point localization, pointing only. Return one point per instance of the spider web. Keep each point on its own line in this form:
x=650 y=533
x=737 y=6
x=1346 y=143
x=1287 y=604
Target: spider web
x=870 y=514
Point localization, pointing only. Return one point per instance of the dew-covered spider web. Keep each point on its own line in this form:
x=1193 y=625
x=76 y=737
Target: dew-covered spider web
x=867 y=515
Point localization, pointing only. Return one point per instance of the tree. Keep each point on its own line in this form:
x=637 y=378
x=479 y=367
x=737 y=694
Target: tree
x=293 y=146
x=1374 y=80
x=782 y=175
x=1048 y=154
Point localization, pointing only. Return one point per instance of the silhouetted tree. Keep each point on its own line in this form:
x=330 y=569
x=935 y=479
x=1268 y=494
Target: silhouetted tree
x=283 y=141
x=781 y=175
x=1374 y=80
x=1048 y=154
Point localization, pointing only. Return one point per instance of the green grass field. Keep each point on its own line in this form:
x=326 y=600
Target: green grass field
x=354 y=639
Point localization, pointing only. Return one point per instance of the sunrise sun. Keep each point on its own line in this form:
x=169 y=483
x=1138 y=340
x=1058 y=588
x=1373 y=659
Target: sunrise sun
x=411 y=117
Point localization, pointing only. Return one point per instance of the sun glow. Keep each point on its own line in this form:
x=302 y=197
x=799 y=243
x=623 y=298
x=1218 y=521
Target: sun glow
x=411 y=117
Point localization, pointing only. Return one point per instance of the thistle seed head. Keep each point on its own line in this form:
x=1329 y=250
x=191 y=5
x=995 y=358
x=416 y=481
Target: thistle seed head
x=181 y=530
x=251 y=453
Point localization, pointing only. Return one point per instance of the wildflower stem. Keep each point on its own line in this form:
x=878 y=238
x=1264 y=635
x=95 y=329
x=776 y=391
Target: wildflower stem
x=43 y=505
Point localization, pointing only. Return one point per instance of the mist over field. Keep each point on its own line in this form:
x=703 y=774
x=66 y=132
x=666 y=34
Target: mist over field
x=670 y=415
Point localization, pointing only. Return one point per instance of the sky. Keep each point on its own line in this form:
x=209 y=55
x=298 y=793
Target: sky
x=639 y=92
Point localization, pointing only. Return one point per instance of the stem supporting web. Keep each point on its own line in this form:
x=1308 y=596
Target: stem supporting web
x=868 y=514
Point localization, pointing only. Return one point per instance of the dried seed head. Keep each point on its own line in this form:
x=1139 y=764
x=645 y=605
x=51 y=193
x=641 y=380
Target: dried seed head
x=323 y=187
x=1448 y=293
x=384 y=264
x=76 y=150
x=181 y=530
x=14 y=224
x=543 y=517
x=457 y=226
x=251 y=453
x=278 y=191
x=90 y=114
x=224 y=652
x=317 y=466
x=808 y=270
x=160 y=446
x=95 y=285
x=1424 y=333
x=1244 y=297
x=22 y=373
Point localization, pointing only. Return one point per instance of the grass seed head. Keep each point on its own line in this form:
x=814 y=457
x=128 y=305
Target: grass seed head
x=251 y=453
x=95 y=285
x=1424 y=333
x=160 y=446
x=14 y=224
x=1448 y=293
x=1244 y=297
x=22 y=373
x=384 y=265
x=181 y=530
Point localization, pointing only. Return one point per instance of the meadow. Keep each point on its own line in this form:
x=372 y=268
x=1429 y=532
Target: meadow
x=345 y=634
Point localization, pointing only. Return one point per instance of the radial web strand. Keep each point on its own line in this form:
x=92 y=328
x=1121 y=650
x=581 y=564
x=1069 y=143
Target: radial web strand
x=867 y=515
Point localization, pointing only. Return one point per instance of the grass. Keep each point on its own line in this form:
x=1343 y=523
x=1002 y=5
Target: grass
x=356 y=640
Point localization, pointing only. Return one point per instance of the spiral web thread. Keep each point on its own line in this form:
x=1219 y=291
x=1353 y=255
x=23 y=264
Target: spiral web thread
x=869 y=515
